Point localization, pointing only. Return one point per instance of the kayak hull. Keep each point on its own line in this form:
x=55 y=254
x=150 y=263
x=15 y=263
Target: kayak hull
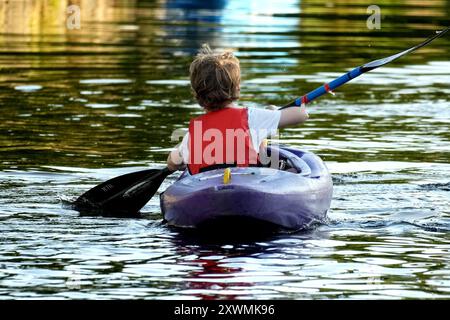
x=282 y=199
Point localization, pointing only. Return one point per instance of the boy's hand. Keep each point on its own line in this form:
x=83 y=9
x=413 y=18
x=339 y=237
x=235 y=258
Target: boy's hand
x=271 y=107
x=175 y=161
x=180 y=167
x=172 y=166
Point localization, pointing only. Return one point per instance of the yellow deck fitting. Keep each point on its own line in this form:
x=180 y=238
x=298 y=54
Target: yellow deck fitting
x=226 y=176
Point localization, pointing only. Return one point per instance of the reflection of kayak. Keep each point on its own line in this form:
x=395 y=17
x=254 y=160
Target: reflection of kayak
x=290 y=199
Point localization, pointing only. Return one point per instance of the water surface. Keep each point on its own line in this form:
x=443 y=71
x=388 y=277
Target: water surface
x=81 y=106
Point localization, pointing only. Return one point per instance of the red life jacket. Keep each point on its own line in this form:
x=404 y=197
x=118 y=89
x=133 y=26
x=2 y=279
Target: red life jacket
x=220 y=137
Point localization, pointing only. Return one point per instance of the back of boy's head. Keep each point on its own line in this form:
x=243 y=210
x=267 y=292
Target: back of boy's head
x=215 y=78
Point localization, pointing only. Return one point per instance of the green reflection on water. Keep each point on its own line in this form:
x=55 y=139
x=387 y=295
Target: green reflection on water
x=77 y=118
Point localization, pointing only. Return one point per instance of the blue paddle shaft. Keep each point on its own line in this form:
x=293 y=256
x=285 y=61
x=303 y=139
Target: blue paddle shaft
x=320 y=91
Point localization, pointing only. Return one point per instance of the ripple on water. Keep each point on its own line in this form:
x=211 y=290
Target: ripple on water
x=105 y=81
x=28 y=88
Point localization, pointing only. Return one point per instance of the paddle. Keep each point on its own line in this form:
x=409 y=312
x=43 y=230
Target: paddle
x=124 y=195
x=127 y=194
x=328 y=87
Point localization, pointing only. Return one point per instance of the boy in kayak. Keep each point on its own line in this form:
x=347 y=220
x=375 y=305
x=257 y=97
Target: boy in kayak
x=225 y=135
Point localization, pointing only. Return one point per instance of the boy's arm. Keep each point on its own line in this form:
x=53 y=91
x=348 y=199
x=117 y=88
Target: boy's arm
x=292 y=116
x=178 y=156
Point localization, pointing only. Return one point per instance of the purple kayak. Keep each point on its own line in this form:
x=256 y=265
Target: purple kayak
x=290 y=197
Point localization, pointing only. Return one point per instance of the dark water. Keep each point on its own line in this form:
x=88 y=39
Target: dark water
x=80 y=106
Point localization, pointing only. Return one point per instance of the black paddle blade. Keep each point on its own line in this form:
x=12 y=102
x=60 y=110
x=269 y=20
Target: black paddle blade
x=122 y=196
x=381 y=62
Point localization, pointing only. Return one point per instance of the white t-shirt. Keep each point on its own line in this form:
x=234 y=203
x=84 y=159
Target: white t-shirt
x=262 y=123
